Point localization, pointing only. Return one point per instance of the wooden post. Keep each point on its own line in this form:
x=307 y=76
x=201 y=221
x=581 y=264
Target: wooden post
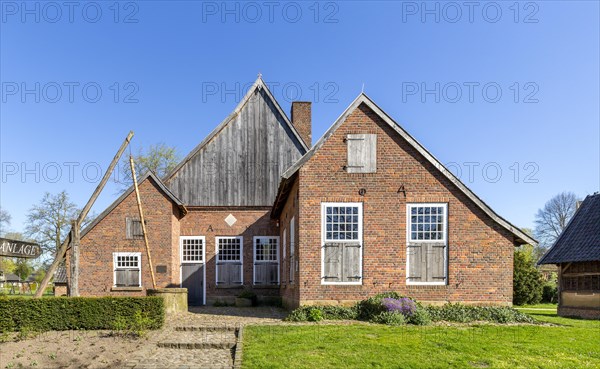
x=60 y=254
x=139 y=203
x=74 y=289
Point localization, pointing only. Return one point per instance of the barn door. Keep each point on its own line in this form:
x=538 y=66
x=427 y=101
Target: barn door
x=193 y=268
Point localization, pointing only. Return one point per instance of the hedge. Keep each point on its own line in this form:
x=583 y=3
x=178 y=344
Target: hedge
x=66 y=313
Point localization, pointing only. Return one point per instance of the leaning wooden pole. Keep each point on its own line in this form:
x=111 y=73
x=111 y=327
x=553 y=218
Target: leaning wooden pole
x=74 y=285
x=60 y=254
x=139 y=204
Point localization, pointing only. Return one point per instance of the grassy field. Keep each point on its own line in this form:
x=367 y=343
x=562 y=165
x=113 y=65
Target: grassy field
x=565 y=343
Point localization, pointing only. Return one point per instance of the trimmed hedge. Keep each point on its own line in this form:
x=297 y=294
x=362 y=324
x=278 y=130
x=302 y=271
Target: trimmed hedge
x=327 y=312
x=466 y=313
x=66 y=313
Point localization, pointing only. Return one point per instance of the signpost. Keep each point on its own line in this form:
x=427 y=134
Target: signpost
x=19 y=249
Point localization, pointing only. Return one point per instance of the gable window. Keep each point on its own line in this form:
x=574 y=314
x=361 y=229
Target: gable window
x=293 y=266
x=427 y=245
x=229 y=261
x=266 y=260
x=341 y=243
x=133 y=228
x=127 y=269
x=362 y=153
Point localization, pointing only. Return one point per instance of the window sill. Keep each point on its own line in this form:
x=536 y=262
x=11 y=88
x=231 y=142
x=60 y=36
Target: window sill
x=230 y=287
x=126 y=289
x=266 y=286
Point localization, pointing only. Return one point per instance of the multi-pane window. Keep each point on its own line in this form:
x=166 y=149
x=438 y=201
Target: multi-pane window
x=266 y=260
x=127 y=269
x=341 y=243
x=192 y=249
x=427 y=247
x=229 y=261
x=427 y=222
x=341 y=222
x=292 y=250
x=229 y=249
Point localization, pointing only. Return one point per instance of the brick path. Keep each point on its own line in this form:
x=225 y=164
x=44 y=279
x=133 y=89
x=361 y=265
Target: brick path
x=205 y=337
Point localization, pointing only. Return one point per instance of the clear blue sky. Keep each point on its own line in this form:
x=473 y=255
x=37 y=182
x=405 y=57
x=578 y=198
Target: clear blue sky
x=178 y=59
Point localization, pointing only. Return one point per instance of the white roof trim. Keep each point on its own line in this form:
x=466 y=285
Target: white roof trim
x=258 y=84
x=364 y=99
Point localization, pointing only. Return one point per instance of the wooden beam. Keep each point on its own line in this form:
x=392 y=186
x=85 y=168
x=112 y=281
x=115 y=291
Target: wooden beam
x=139 y=204
x=60 y=254
x=74 y=288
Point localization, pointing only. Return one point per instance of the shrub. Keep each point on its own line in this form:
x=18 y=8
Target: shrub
x=403 y=305
x=66 y=313
x=527 y=281
x=419 y=317
x=389 y=318
x=463 y=314
x=249 y=294
x=315 y=315
x=550 y=293
x=135 y=326
x=302 y=314
x=367 y=309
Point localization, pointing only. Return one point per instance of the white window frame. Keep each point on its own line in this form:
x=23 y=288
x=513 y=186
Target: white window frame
x=241 y=238
x=292 y=268
x=324 y=206
x=443 y=241
x=139 y=257
x=181 y=262
x=265 y=261
x=182 y=238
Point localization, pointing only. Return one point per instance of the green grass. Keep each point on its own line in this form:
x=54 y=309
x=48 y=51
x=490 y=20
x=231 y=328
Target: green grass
x=571 y=343
x=538 y=306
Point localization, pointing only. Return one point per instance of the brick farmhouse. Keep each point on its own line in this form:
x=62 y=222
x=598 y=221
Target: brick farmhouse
x=367 y=209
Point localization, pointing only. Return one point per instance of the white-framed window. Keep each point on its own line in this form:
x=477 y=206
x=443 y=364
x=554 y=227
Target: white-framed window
x=341 y=243
x=192 y=249
x=293 y=267
x=229 y=261
x=127 y=269
x=427 y=243
x=266 y=260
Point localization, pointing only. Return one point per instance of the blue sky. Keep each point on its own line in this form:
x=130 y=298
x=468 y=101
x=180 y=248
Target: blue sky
x=507 y=95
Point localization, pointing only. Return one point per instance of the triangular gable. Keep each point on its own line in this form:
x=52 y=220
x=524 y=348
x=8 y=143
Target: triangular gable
x=240 y=162
x=124 y=195
x=522 y=237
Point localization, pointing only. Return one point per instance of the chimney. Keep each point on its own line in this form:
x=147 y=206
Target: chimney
x=301 y=119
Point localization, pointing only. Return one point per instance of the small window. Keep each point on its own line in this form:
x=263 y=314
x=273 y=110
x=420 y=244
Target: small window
x=192 y=249
x=127 y=269
x=341 y=243
x=293 y=266
x=427 y=249
x=133 y=228
x=266 y=260
x=362 y=153
x=229 y=261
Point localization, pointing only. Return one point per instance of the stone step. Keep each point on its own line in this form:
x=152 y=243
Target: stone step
x=207 y=328
x=188 y=359
x=190 y=339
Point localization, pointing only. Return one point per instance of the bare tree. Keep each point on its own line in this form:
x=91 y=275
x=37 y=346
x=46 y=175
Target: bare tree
x=553 y=218
x=159 y=158
x=4 y=221
x=48 y=222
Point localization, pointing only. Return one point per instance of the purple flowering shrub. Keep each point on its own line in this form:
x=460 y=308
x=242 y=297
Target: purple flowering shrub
x=404 y=305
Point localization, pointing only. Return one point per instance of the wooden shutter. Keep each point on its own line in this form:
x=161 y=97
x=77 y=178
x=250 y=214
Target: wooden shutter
x=128 y=228
x=272 y=273
x=436 y=263
x=260 y=273
x=351 y=263
x=332 y=262
x=221 y=273
x=127 y=278
x=133 y=228
x=362 y=153
x=415 y=263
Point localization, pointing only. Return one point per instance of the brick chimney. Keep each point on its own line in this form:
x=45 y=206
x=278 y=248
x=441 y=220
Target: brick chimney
x=301 y=119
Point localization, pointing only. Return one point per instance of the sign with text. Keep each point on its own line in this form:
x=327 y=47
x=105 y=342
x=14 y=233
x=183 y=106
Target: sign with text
x=19 y=249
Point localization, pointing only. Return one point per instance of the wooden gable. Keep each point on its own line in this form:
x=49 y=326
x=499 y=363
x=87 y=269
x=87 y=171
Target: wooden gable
x=241 y=162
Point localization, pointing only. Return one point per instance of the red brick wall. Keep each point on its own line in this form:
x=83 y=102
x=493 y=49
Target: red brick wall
x=301 y=119
x=210 y=223
x=108 y=236
x=289 y=291
x=480 y=251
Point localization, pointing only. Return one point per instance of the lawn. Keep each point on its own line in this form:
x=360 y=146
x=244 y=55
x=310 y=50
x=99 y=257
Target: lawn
x=568 y=343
